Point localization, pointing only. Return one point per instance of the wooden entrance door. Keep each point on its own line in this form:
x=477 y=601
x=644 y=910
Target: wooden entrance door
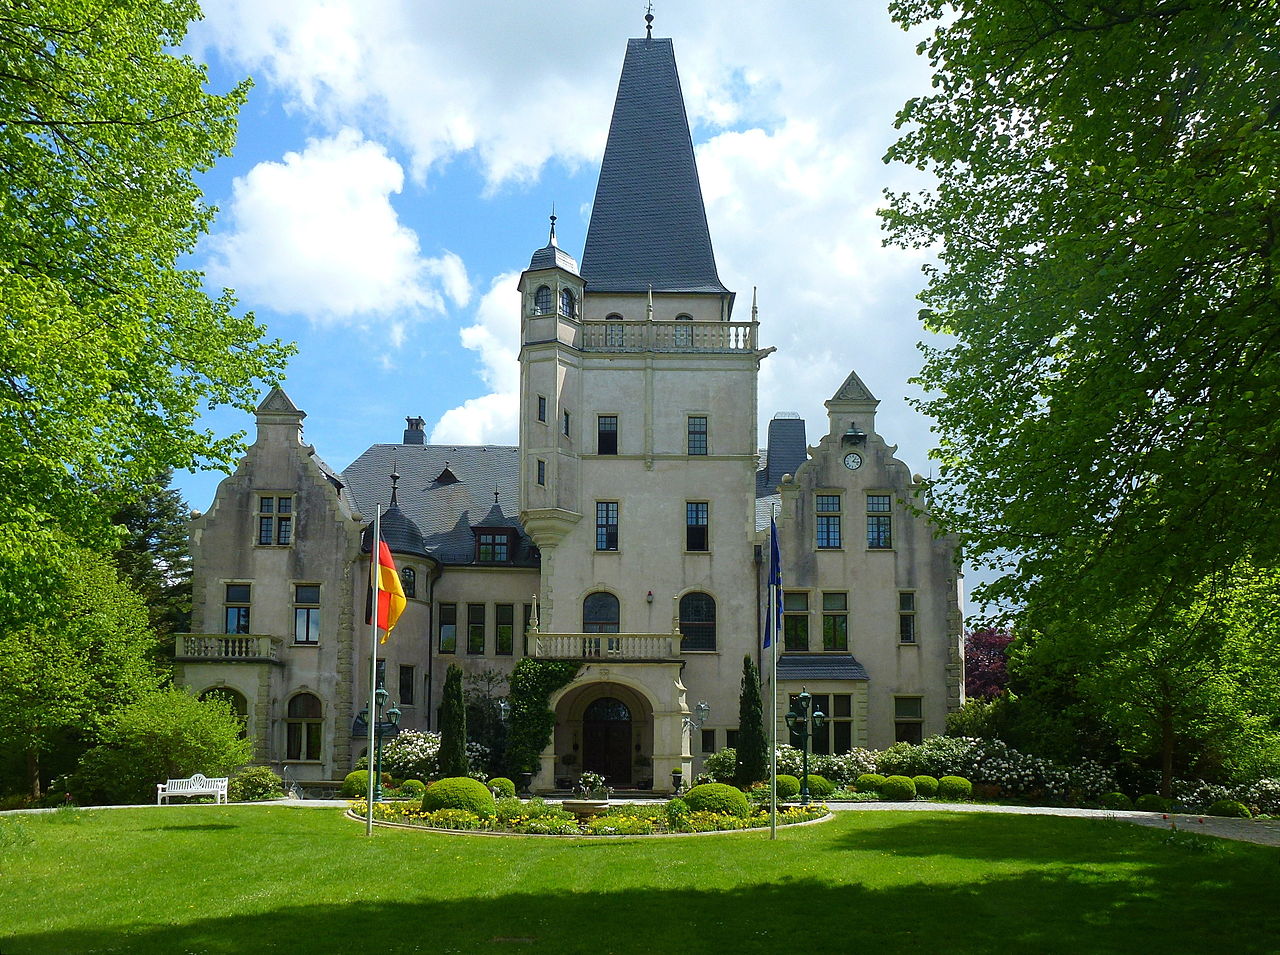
x=606 y=741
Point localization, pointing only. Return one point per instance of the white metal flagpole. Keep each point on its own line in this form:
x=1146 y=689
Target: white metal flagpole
x=775 y=580
x=373 y=660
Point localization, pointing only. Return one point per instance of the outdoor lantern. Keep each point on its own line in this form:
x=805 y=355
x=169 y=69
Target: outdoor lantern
x=504 y=709
x=802 y=726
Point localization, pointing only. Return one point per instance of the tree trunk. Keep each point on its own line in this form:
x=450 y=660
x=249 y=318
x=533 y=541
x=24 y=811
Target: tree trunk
x=1166 y=750
x=33 y=772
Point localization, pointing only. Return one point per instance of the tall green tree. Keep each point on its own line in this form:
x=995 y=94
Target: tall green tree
x=1107 y=387
x=109 y=350
x=154 y=556
x=453 y=725
x=63 y=675
x=751 y=763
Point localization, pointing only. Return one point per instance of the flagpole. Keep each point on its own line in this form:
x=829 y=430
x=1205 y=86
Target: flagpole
x=774 y=581
x=373 y=662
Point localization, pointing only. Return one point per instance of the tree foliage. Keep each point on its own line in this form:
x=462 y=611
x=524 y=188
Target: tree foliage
x=63 y=675
x=532 y=720
x=108 y=349
x=1107 y=396
x=154 y=555
x=751 y=763
x=453 y=725
x=986 y=652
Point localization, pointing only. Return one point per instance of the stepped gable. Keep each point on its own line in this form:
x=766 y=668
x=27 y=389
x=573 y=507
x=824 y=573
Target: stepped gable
x=648 y=224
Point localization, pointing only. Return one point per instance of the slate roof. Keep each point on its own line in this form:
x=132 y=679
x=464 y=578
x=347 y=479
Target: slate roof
x=551 y=256
x=792 y=666
x=444 y=511
x=399 y=531
x=764 y=510
x=648 y=224
x=788 y=449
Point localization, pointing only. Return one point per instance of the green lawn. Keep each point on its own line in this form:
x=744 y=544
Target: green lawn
x=206 y=879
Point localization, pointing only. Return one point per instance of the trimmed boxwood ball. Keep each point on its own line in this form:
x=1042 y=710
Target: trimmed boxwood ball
x=718 y=798
x=954 y=787
x=1116 y=801
x=868 y=783
x=460 y=792
x=1229 y=807
x=416 y=786
x=1150 y=802
x=898 y=789
x=820 y=787
x=926 y=786
x=356 y=784
x=504 y=786
x=788 y=786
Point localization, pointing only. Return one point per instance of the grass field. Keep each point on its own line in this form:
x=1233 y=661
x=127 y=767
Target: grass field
x=206 y=879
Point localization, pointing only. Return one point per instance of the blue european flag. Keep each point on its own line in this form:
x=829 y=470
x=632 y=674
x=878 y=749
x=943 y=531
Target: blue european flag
x=774 y=623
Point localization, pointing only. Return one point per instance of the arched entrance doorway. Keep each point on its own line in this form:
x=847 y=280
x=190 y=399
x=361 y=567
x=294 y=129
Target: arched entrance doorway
x=606 y=740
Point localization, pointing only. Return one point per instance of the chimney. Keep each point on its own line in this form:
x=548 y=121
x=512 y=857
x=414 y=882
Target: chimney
x=413 y=433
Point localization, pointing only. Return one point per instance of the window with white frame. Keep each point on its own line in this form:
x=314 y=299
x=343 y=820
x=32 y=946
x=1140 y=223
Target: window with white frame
x=306 y=613
x=275 y=519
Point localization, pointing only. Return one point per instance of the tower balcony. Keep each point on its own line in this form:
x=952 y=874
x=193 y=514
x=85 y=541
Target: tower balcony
x=674 y=337
x=615 y=647
x=226 y=648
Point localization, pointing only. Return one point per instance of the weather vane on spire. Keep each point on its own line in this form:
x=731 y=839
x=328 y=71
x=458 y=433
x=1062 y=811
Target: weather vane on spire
x=552 y=239
x=648 y=21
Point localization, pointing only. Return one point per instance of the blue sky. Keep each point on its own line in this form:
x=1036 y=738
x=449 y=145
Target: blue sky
x=397 y=161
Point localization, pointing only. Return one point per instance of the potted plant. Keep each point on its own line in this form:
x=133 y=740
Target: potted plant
x=677 y=780
x=593 y=796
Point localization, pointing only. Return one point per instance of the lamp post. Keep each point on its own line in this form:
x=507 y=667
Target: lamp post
x=700 y=714
x=389 y=727
x=802 y=723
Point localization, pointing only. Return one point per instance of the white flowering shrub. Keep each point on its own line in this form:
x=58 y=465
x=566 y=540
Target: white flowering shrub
x=411 y=755
x=478 y=761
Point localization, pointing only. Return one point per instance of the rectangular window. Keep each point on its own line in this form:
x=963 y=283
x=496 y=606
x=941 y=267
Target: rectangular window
x=275 y=520
x=696 y=514
x=828 y=509
x=506 y=617
x=542 y=472
x=382 y=674
x=835 y=621
x=237 y=607
x=542 y=409
x=708 y=741
x=606 y=525
x=795 y=621
x=475 y=628
x=731 y=739
x=908 y=717
x=448 y=628
x=906 y=616
x=492 y=548
x=306 y=613
x=528 y=618
x=614 y=335
x=566 y=424
x=407 y=683
x=835 y=736
x=697 y=434
x=607 y=434
x=879 y=521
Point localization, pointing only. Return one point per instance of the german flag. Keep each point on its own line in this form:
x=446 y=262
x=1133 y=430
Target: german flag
x=386 y=581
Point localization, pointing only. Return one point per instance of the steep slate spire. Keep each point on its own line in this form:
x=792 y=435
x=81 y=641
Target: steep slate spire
x=648 y=224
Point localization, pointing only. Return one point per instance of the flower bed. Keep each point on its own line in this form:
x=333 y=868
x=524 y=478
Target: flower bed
x=539 y=818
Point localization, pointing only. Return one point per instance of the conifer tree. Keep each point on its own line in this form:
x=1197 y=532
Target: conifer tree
x=453 y=726
x=752 y=763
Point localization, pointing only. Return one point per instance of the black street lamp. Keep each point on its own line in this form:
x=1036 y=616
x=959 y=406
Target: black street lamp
x=802 y=725
x=388 y=727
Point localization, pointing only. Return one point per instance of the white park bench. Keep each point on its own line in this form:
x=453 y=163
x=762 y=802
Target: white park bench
x=197 y=785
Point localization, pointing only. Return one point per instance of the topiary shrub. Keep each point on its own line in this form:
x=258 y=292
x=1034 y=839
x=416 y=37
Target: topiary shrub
x=1116 y=801
x=460 y=792
x=926 y=786
x=1229 y=807
x=868 y=783
x=255 y=783
x=820 y=787
x=415 y=787
x=503 y=786
x=717 y=798
x=955 y=788
x=788 y=786
x=356 y=784
x=1150 y=802
x=898 y=789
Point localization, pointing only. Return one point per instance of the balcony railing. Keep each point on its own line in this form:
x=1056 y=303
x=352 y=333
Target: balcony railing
x=606 y=646
x=725 y=337
x=227 y=647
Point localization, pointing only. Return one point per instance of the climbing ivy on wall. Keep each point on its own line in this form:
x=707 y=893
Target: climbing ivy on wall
x=532 y=720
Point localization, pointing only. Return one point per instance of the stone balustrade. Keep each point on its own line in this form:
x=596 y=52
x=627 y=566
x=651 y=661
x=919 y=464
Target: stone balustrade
x=605 y=646
x=226 y=647
x=669 y=336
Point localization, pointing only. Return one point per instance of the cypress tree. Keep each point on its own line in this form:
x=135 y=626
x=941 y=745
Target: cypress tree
x=453 y=726
x=752 y=763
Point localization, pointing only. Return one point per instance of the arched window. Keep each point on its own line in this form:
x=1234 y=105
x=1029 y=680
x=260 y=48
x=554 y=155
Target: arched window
x=698 y=622
x=239 y=705
x=600 y=613
x=683 y=335
x=566 y=302
x=409 y=582
x=304 y=728
x=542 y=300
x=606 y=710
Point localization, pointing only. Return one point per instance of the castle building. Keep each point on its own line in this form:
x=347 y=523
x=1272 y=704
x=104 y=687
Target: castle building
x=628 y=531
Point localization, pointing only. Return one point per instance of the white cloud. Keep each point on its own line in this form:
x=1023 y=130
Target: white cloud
x=495 y=337
x=317 y=235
